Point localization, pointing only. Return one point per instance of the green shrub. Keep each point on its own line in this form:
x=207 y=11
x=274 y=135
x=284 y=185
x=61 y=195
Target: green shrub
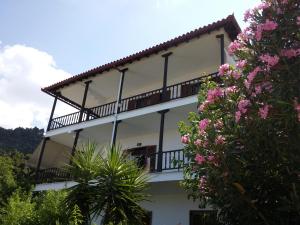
x=19 y=210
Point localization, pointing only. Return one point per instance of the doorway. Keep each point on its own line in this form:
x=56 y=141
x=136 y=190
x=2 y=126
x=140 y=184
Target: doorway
x=144 y=156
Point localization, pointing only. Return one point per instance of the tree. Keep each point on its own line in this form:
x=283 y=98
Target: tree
x=23 y=139
x=109 y=185
x=7 y=180
x=13 y=175
x=244 y=144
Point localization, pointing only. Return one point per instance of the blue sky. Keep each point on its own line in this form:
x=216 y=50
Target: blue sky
x=81 y=34
x=43 y=41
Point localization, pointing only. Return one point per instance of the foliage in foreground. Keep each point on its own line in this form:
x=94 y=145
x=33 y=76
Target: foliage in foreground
x=244 y=144
x=109 y=185
x=17 y=204
x=45 y=208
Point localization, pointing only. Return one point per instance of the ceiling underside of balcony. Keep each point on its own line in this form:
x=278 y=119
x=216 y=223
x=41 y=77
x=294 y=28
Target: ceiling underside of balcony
x=132 y=128
x=189 y=60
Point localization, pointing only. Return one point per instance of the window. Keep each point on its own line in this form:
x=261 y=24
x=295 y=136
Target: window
x=203 y=217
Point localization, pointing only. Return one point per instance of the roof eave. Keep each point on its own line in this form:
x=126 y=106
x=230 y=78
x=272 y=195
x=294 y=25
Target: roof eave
x=230 y=25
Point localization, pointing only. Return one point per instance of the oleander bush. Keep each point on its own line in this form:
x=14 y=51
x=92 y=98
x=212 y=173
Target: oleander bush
x=244 y=143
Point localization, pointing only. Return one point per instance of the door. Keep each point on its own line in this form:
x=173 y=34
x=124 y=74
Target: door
x=144 y=156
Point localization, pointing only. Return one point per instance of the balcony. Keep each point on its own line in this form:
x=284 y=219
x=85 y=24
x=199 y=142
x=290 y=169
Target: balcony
x=173 y=160
x=173 y=92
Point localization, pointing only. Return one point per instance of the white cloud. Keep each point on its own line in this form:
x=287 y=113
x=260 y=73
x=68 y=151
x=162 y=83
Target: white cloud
x=23 y=71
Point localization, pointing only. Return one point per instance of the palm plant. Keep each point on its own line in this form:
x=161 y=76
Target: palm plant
x=109 y=185
x=119 y=188
x=84 y=168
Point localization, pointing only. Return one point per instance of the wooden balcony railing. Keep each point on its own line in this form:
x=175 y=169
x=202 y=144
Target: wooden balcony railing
x=173 y=160
x=175 y=91
x=52 y=175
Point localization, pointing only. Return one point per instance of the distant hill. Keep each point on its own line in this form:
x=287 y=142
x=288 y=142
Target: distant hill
x=22 y=139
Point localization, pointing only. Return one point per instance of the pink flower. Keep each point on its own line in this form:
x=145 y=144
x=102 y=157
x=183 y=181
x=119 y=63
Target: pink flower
x=258 y=32
x=220 y=140
x=263 y=111
x=211 y=158
x=270 y=60
x=233 y=47
x=284 y=2
x=243 y=105
x=253 y=74
x=205 y=144
x=219 y=124
x=185 y=139
x=279 y=11
x=297 y=108
x=236 y=74
x=247 y=15
x=203 y=124
x=237 y=116
x=231 y=89
x=247 y=84
x=241 y=64
x=213 y=94
x=289 y=53
x=202 y=183
x=243 y=36
x=298 y=20
x=198 y=143
x=269 y=25
x=267 y=85
x=258 y=89
x=263 y=5
x=202 y=107
x=200 y=159
x=223 y=69
x=229 y=72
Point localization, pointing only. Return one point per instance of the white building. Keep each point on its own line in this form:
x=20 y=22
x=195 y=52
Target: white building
x=153 y=89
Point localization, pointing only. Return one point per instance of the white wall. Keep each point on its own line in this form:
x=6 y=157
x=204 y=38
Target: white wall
x=169 y=204
x=170 y=209
x=171 y=140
